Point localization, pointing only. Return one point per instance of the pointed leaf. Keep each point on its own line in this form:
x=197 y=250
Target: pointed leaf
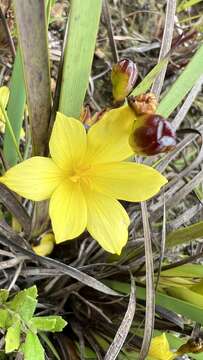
x=51 y=323
x=12 y=338
x=24 y=304
x=32 y=348
x=42 y=323
x=32 y=292
x=146 y=83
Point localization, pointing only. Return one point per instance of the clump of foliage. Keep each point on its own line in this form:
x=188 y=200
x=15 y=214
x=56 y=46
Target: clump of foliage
x=21 y=326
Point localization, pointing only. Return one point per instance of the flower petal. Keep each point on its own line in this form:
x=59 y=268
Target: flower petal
x=159 y=348
x=34 y=179
x=108 y=139
x=107 y=221
x=127 y=181
x=68 y=211
x=68 y=141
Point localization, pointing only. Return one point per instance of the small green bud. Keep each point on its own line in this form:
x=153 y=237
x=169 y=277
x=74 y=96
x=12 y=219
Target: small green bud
x=123 y=77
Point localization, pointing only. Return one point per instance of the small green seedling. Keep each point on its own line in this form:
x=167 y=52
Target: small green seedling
x=20 y=325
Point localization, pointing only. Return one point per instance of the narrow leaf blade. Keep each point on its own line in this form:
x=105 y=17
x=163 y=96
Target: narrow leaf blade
x=183 y=84
x=79 y=51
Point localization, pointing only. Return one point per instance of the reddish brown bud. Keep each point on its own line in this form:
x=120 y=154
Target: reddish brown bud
x=151 y=135
x=194 y=346
x=143 y=104
x=123 y=77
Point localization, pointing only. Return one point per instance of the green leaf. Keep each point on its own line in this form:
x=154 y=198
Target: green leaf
x=51 y=323
x=43 y=323
x=182 y=236
x=15 y=110
x=186 y=271
x=185 y=4
x=4 y=293
x=3 y=318
x=186 y=294
x=32 y=292
x=149 y=78
x=59 y=324
x=183 y=84
x=79 y=51
x=12 y=338
x=24 y=304
x=190 y=311
x=32 y=348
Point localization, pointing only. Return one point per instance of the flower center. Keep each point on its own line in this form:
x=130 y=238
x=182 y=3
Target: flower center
x=81 y=174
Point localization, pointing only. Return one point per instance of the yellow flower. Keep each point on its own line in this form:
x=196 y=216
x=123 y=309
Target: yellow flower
x=84 y=177
x=159 y=348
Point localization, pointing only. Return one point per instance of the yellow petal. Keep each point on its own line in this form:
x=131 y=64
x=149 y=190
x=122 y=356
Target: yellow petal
x=46 y=245
x=68 y=142
x=107 y=221
x=34 y=179
x=108 y=139
x=127 y=181
x=68 y=211
x=159 y=348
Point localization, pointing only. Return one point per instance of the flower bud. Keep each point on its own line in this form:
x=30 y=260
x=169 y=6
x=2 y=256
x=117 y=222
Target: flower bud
x=194 y=346
x=151 y=135
x=123 y=77
x=143 y=104
x=45 y=246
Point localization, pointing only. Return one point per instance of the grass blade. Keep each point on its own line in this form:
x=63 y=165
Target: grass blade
x=185 y=4
x=83 y=27
x=187 y=234
x=190 y=311
x=146 y=83
x=183 y=84
x=15 y=109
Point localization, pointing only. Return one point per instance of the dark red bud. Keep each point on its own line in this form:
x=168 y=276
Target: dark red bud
x=154 y=136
